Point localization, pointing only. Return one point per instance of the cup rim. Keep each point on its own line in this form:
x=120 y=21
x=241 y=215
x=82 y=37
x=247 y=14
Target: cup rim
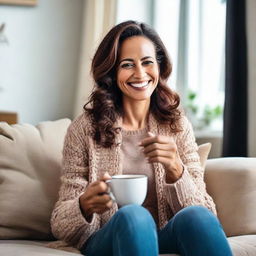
x=129 y=176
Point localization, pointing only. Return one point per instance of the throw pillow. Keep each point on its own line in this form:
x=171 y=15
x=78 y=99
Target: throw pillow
x=203 y=151
x=30 y=160
x=231 y=183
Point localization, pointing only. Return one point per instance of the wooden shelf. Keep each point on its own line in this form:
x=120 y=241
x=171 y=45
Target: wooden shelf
x=9 y=117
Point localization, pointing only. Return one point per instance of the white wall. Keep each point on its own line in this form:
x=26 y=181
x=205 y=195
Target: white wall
x=138 y=10
x=251 y=44
x=38 y=69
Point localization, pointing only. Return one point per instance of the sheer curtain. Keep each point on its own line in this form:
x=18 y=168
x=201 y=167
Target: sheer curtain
x=99 y=17
x=194 y=33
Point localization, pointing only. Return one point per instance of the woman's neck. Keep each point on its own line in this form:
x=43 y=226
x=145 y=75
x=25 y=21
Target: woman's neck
x=135 y=114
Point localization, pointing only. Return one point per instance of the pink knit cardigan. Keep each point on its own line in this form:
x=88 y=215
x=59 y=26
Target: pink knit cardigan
x=84 y=162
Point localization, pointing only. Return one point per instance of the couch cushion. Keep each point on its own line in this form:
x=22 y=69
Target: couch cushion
x=29 y=177
x=231 y=183
x=241 y=246
x=37 y=248
x=30 y=248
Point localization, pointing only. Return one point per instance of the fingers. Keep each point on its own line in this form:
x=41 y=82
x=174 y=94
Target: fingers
x=160 y=153
x=160 y=147
x=98 y=208
x=91 y=206
x=96 y=188
x=95 y=203
x=98 y=203
x=101 y=199
x=105 y=176
x=160 y=139
x=105 y=206
x=96 y=199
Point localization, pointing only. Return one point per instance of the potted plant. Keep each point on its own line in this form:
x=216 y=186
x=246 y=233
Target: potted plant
x=201 y=118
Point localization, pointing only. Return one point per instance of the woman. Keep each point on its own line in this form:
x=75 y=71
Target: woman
x=132 y=124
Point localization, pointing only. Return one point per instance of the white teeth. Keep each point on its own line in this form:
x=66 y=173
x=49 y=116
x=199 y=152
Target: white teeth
x=139 y=85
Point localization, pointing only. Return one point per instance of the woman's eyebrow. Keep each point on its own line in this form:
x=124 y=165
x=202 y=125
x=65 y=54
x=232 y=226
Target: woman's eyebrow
x=147 y=57
x=125 y=60
x=128 y=59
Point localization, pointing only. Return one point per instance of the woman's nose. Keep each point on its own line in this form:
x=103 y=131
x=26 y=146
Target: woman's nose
x=139 y=71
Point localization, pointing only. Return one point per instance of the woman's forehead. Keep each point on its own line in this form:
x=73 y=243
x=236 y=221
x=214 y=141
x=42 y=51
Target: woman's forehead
x=137 y=47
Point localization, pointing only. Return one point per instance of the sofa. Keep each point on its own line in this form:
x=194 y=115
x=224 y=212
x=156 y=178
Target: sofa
x=30 y=169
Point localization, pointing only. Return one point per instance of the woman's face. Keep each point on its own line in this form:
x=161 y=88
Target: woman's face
x=137 y=71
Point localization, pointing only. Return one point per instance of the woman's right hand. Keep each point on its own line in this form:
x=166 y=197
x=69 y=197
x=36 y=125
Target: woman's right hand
x=96 y=198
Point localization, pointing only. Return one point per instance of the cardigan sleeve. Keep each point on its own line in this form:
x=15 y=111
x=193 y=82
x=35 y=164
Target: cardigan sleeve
x=67 y=220
x=190 y=189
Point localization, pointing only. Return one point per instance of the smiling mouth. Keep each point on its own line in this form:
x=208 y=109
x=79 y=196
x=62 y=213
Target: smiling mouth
x=140 y=85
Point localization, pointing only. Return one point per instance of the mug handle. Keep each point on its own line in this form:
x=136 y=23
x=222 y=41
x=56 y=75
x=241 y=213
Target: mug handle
x=110 y=192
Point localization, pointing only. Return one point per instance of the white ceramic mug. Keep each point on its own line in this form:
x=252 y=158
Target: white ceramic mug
x=128 y=189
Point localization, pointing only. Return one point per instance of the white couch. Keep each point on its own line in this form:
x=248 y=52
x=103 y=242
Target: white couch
x=30 y=158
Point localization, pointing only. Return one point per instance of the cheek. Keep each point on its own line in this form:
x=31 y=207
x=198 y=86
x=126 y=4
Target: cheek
x=122 y=76
x=155 y=72
x=156 y=75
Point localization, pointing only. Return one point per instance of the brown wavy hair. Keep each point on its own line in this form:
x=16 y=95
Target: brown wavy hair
x=106 y=99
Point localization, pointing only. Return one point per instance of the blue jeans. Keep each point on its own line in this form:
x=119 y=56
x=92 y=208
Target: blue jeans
x=193 y=231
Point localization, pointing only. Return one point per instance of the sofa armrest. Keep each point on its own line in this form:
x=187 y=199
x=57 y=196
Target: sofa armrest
x=232 y=184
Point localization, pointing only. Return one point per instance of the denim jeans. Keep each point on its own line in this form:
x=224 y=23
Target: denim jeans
x=193 y=231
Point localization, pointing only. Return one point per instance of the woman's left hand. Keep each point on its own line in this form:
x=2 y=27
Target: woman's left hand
x=163 y=149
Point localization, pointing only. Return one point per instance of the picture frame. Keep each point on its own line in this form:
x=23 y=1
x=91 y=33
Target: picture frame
x=18 y=2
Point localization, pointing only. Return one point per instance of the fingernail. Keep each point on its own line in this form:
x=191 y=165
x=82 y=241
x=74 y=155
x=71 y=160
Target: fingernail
x=106 y=174
x=151 y=134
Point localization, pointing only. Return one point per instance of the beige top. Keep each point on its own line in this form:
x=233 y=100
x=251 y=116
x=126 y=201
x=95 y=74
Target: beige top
x=135 y=162
x=84 y=162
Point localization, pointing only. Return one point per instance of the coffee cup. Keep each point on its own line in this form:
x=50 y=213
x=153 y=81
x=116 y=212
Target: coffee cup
x=128 y=189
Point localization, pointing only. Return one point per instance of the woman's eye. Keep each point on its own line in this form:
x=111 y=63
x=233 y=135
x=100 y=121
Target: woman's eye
x=147 y=62
x=127 y=65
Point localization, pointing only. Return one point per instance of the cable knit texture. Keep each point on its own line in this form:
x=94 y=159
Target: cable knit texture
x=84 y=162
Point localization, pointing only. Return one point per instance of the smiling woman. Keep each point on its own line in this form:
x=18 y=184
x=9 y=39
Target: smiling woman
x=132 y=125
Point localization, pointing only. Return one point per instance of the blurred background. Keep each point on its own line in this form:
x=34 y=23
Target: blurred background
x=46 y=47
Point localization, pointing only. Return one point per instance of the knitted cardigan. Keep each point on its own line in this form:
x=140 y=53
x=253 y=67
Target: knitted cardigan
x=84 y=162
